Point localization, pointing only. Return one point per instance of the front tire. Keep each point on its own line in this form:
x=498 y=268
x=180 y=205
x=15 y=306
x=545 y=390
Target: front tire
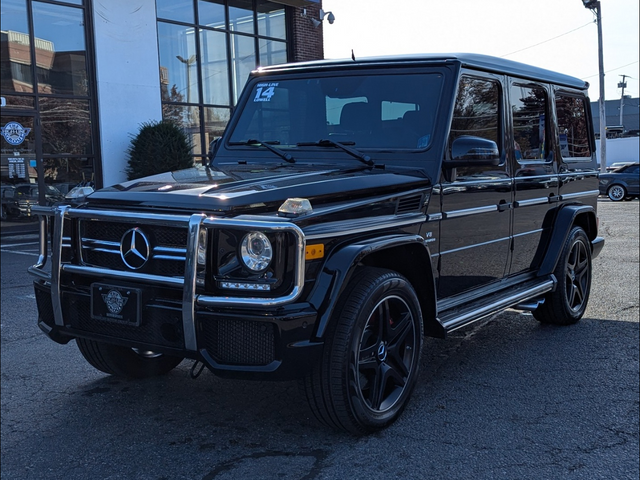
x=372 y=353
x=566 y=305
x=126 y=362
x=616 y=193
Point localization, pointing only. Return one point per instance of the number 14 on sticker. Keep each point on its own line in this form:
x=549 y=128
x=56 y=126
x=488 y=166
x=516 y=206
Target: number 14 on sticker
x=264 y=92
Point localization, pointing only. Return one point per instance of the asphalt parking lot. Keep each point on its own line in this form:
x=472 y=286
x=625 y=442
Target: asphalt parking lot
x=505 y=399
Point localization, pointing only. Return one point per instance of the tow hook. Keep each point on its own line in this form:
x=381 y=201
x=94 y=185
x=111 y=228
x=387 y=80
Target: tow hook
x=193 y=373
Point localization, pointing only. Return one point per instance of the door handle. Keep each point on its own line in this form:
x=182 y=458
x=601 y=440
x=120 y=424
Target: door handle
x=502 y=206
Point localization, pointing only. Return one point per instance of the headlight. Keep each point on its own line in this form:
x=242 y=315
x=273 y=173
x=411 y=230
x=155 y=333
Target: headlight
x=256 y=251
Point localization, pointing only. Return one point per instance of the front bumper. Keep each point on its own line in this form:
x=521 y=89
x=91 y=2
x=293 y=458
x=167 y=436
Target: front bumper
x=233 y=336
x=231 y=342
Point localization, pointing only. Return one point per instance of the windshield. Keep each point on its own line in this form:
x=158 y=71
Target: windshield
x=367 y=111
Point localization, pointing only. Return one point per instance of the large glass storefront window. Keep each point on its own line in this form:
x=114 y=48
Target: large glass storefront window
x=207 y=49
x=48 y=133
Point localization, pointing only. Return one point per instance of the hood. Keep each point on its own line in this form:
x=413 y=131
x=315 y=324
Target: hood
x=234 y=189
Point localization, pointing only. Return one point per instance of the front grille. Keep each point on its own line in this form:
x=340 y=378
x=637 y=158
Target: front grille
x=159 y=325
x=238 y=342
x=101 y=247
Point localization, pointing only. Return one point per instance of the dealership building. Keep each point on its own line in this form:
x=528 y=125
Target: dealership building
x=79 y=77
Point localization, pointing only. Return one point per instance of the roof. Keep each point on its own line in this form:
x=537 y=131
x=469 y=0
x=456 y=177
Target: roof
x=472 y=60
x=630 y=117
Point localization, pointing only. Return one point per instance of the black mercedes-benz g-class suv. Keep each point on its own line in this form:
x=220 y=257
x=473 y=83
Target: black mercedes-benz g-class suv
x=350 y=208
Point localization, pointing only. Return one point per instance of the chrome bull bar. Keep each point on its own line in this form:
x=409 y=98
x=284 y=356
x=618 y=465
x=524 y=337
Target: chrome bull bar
x=194 y=223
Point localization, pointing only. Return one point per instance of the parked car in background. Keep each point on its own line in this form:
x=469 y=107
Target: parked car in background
x=617 y=165
x=17 y=200
x=8 y=203
x=621 y=184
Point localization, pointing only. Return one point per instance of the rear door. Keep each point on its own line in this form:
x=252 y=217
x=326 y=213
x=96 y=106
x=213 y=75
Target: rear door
x=535 y=171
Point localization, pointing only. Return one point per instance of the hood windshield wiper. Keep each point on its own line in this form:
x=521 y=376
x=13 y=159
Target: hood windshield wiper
x=366 y=159
x=277 y=151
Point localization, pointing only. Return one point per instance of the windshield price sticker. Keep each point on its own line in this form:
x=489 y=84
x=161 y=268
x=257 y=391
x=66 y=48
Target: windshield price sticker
x=264 y=92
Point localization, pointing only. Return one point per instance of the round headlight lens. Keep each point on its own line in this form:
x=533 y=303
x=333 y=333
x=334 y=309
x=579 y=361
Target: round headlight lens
x=256 y=251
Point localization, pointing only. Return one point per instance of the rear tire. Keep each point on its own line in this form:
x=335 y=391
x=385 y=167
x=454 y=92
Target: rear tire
x=616 y=193
x=124 y=361
x=566 y=305
x=371 y=355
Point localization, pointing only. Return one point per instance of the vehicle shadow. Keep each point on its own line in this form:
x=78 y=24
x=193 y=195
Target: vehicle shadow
x=511 y=387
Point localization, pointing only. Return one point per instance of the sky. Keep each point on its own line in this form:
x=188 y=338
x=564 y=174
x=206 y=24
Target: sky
x=558 y=35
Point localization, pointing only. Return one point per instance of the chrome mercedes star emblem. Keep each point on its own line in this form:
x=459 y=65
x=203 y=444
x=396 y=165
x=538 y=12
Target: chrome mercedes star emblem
x=134 y=248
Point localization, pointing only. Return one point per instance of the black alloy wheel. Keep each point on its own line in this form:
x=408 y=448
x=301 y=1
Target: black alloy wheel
x=372 y=354
x=385 y=354
x=567 y=303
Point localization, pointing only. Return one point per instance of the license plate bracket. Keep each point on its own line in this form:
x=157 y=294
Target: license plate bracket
x=116 y=304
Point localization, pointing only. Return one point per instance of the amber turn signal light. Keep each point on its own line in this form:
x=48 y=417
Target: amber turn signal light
x=313 y=252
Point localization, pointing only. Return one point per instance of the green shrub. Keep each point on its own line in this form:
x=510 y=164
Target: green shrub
x=158 y=147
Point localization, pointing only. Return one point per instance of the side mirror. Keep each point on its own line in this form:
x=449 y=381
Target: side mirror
x=473 y=151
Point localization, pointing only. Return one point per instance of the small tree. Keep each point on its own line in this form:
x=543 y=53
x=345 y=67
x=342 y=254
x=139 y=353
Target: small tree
x=158 y=147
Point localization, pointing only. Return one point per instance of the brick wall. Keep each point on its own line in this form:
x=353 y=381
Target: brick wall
x=308 y=41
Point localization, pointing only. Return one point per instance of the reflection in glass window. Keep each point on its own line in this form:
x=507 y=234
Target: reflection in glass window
x=241 y=16
x=60 y=49
x=211 y=13
x=178 y=68
x=529 y=106
x=272 y=52
x=476 y=110
x=215 y=74
x=15 y=48
x=179 y=10
x=66 y=126
x=19 y=102
x=216 y=120
x=271 y=20
x=188 y=117
x=66 y=173
x=207 y=62
x=572 y=126
x=476 y=113
x=243 y=60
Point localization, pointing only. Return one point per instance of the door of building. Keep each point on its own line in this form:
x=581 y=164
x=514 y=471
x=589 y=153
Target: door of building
x=20 y=171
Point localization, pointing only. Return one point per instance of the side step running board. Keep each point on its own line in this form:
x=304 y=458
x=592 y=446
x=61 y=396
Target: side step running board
x=460 y=317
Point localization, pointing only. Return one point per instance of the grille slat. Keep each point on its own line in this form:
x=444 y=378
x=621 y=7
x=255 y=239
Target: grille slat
x=409 y=204
x=101 y=247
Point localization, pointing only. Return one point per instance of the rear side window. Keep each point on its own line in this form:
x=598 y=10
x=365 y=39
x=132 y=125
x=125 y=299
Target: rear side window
x=573 y=128
x=529 y=107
